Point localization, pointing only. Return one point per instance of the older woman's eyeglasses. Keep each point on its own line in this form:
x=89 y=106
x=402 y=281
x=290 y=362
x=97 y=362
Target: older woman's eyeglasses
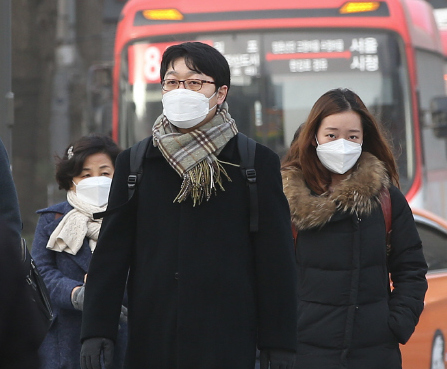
x=190 y=84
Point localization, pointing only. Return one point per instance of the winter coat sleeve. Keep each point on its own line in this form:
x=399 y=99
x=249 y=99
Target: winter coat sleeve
x=275 y=263
x=18 y=332
x=18 y=314
x=109 y=266
x=407 y=267
x=9 y=205
x=59 y=286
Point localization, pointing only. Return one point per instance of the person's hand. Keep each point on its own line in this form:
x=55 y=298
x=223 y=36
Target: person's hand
x=77 y=297
x=91 y=353
x=123 y=314
x=278 y=359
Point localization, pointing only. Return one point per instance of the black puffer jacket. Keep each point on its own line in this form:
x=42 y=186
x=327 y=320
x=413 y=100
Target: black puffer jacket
x=347 y=317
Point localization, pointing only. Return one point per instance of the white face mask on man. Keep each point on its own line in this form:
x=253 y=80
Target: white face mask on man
x=338 y=156
x=94 y=190
x=185 y=108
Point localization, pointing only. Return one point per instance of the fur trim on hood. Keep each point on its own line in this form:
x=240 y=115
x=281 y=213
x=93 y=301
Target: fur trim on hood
x=358 y=193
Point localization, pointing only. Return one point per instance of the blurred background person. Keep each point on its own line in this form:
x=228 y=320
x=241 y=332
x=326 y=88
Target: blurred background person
x=335 y=176
x=19 y=333
x=64 y=241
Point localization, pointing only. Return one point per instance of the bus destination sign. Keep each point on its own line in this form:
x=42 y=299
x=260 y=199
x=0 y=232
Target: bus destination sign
x=281 y=53
x=322 y=54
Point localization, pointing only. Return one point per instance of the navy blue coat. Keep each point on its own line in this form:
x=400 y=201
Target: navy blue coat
x=62 y=272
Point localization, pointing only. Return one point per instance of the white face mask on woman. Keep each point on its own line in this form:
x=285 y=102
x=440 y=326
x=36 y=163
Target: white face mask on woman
x=185 y=108
x=94 y=190
x=340 y=155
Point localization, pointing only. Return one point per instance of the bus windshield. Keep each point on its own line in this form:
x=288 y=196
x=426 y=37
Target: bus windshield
x=276 y=76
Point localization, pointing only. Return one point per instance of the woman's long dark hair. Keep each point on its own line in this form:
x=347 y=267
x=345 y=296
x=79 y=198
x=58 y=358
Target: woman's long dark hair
x=302 y=153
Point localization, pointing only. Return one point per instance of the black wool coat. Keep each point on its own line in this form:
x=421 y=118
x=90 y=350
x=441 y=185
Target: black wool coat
x=20 y=333
x=201 y=288
x=347 y=316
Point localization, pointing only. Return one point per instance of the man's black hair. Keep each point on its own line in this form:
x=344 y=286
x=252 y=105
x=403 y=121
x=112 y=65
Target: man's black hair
x=199 y=57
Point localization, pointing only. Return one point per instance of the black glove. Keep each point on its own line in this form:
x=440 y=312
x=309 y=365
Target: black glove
x=278 y=359
x=77 y=298
x=91 y=353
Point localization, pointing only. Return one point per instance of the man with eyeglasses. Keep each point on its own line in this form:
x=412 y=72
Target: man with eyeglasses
x=203 y=290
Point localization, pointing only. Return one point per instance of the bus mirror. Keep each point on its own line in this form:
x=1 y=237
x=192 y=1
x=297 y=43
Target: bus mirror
x=438 y=108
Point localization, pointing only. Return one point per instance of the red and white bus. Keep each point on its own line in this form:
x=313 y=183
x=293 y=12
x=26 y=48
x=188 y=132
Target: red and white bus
x=440 y=12
x=283 y=55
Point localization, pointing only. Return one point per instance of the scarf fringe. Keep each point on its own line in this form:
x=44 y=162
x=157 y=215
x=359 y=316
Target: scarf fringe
x=193 y=155
x=200 y=181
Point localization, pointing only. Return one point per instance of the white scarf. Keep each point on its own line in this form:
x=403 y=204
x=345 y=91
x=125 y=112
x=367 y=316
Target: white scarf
x=75 y=226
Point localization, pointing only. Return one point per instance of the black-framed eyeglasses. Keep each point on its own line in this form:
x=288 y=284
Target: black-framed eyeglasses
x=190 y=84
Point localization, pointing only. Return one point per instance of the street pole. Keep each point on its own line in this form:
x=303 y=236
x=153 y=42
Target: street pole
x=6 y=95
x=63 y=74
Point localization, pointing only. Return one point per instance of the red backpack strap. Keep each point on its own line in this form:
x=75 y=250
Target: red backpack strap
x=295 y=234
x=385 y=202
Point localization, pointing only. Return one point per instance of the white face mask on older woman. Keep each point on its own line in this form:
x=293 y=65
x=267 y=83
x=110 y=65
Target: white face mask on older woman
x=340 y=155
x=94 y=190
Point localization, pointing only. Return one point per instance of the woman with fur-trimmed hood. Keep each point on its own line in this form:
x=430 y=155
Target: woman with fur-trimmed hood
x=333 y=175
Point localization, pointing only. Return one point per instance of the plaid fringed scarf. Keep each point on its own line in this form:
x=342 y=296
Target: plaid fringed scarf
x=193 y=155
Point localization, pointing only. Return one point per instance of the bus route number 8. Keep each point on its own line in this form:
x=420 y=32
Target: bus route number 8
x=152 y=60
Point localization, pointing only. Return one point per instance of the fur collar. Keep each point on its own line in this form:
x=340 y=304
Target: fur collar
x=356 y=194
